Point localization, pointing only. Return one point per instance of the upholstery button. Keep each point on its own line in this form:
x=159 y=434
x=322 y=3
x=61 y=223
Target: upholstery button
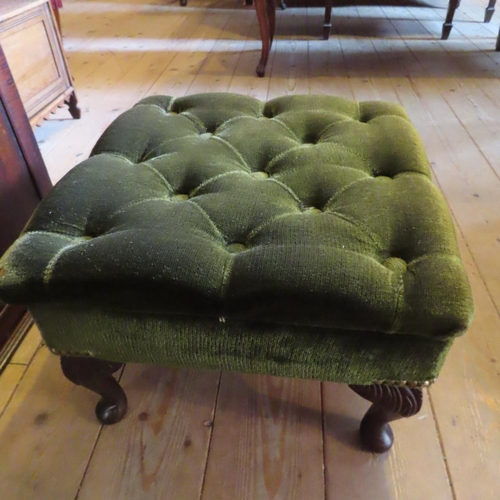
x=235 y=247
x=206 y=136
x=180 y=197
x=260 y=175
x=396 y=264
x=313 y=210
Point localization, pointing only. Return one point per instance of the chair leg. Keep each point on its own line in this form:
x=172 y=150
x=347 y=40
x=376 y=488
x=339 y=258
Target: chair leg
x=389 y=403
x=271 y=16
x=497 y=48
x=262 y=14
x=96 y=375
x=490 y=10
x=448 y=23
x=327 y=24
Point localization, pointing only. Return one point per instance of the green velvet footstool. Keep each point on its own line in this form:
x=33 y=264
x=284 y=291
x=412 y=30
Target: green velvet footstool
x=301 y=237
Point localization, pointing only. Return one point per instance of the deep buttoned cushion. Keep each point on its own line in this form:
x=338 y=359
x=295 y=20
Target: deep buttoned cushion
x=308 y=214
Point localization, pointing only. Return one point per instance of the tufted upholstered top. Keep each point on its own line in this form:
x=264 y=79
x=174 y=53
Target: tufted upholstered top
x=305 y=210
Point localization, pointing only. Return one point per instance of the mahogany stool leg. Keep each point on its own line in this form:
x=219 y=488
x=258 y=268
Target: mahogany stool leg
x=96 y=375
x=389 y=403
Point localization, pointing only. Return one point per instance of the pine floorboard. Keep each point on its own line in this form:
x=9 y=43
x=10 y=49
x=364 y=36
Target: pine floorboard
x=206 y=435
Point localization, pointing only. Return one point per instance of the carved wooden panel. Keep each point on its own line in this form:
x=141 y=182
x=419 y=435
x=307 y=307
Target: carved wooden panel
x=34 y=52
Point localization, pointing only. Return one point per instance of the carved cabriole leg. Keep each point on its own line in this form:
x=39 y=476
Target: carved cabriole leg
x=96 y=375
x=389 y=403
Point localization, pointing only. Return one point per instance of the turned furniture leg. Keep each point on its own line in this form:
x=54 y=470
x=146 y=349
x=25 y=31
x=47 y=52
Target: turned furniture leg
x=96 y=375
x=74 y=109
x=490 y=10
x=389 y=403
x=327 y=25
x=262 y=9
x=448 y=23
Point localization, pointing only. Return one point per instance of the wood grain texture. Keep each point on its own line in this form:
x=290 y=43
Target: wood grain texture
x=217 y=69
x=28 y=347
x=120 y=52
x=160 y=449
x=412 y=470
x=267 y=441
x=24 y=180
x=33 y=75
x=47 y=432
x=178 y=76
x=467 y=399
x=9 y=8
x=9 y=379
x=289 y=72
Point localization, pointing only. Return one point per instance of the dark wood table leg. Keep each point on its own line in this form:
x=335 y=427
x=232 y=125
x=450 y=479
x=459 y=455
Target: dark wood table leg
x=327 y=25
x=74 y=109
x=490 y=10
x=96 y=375
x=262 y=14
x=497 y=48
x=389 y=403
x=448 y=23
x=271 y=16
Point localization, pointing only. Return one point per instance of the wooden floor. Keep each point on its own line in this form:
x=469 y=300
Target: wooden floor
x=191 y=434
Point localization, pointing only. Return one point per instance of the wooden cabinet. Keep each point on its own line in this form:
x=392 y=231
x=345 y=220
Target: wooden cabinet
x=32 y=46
x=23 y=182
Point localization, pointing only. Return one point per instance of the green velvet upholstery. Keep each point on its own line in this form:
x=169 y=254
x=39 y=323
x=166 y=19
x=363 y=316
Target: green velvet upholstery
x=299 y=237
